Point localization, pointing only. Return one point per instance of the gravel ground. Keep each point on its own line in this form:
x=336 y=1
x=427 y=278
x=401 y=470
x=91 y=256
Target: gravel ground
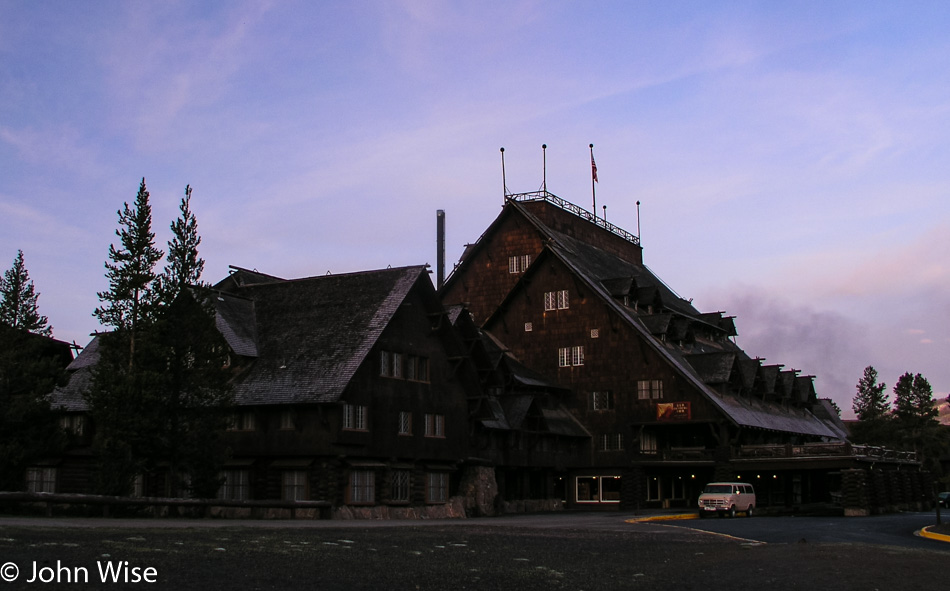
x=470 y=557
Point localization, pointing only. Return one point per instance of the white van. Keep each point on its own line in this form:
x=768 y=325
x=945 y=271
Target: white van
x=727 y=498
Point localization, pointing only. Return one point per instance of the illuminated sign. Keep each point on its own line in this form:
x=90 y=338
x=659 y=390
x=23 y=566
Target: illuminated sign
x=673 y=411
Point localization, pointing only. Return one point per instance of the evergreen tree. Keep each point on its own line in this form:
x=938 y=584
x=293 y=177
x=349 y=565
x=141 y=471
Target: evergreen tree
x=18 y=308
x=132 y=299
x=870 y=401
x=30 y=367
x=916 y=416
x=183 y=266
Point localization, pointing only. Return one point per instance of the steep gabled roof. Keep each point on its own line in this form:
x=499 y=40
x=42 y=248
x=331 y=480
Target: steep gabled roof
x=313 y=333
x=602 y=272
x=70 y=397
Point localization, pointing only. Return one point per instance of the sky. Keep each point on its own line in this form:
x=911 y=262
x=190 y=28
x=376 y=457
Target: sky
x=790 y=158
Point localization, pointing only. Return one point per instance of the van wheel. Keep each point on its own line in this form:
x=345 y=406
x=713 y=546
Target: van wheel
x=748 y=512
x=732 y=512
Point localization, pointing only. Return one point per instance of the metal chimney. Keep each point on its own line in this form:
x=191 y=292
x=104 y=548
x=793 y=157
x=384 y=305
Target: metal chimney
x=440 y=247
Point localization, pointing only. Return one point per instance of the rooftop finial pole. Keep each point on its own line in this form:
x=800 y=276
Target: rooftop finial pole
x=504 y=185
x=638 y=219
x=544 y=167
x=593 y=179
x=605 y=212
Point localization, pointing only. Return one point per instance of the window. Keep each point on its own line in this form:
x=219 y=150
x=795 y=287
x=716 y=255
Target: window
x=528 y=326
x=294 y=485
x=354 y=417
x=400 y=490
x=436 y=487
x=556 y=300
x=564 y=357
x=417 y=368
x=601 y=400
x=405 y=423
x=647 y=443
x=242 y=421
x=518 y=264
x=74 y=424
x=397 y=365
x=287 y=420
x=597 y=489
x=138 y=486
x=41 y=479
x=577 y=355
x=611 y=442
x=235 y=486
x=649 y=389
x=362 y=487
x=435 y=425
x=595 y=333
x=386 y=364
x=568 y=356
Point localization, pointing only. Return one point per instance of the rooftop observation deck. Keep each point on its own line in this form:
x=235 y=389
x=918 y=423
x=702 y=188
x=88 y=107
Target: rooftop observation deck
x=578 y=211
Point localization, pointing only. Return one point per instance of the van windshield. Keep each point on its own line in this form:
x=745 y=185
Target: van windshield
x=718 y=489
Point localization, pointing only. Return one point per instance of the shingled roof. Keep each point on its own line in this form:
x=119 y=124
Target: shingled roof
x=604 y=273
x=312 y=334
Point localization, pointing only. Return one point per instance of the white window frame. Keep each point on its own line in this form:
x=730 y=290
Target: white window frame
x=563 y=299
x=577 y=355
x=649 y=389
x=564 y=357
x=550 y=301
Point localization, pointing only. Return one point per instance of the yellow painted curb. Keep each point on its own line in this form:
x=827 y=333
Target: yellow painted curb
x=925 y=533
x=663 y=517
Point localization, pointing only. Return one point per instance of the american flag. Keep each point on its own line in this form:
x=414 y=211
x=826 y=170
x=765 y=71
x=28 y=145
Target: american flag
x=593 y=168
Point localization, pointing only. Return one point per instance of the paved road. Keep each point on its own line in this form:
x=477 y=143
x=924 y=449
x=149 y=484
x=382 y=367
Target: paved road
x=891 y=530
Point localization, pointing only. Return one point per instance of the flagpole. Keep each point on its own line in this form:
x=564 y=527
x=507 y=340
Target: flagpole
x=593 y=179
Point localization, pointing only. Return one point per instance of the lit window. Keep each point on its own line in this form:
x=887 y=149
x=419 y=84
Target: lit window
x=362 y=487
x=436 y=487
x=597 y=489
x=405 y=423
x=435 y=425
x=400 y=487
x=354 y=417
x=294 y=485
x=41 y=479
x=235 y=485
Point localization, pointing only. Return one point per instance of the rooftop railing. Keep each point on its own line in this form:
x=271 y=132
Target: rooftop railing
x=578 y=211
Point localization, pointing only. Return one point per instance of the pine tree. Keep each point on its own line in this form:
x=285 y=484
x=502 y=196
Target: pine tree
x=132 y=299
x=870 y=401
x=183 y=266
x=18 y=308
x=913 y=400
